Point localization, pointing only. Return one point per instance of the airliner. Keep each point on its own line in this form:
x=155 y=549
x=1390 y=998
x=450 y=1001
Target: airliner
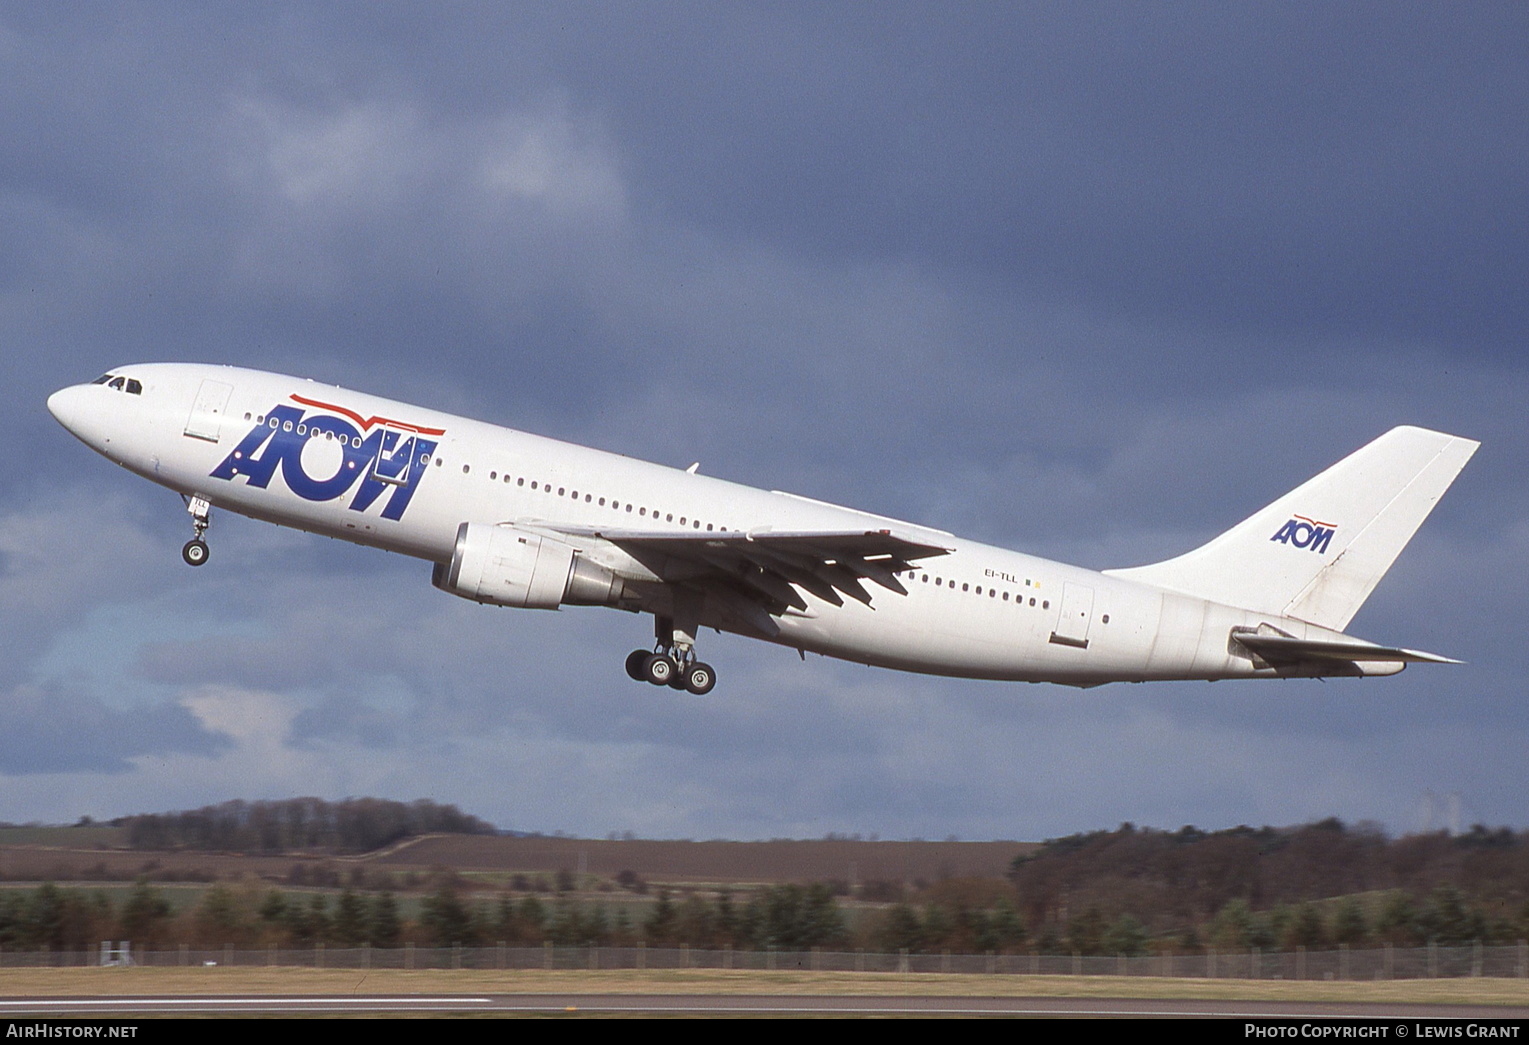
x=517 y=520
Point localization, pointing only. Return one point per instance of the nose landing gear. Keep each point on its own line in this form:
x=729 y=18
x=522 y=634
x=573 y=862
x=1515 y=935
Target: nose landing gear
x=195 y=551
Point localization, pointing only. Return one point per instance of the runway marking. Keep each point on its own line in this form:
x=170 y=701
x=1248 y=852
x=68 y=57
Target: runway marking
x=140 y=1002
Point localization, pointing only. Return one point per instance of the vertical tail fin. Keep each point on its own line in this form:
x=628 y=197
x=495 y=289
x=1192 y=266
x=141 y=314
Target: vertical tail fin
x=1317 y=553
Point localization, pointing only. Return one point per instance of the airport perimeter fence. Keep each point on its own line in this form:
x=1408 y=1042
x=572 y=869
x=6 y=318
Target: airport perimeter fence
x=1383 y=963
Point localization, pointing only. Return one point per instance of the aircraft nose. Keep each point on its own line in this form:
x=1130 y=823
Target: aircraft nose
x=64 y=405
x=72 y=408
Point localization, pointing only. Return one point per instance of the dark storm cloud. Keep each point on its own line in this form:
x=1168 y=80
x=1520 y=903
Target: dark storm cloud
x=1281 y=167
x=46 y=729
x=1094 y=282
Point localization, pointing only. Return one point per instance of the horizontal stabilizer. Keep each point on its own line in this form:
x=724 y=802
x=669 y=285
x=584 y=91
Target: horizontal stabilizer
x=1284 y=648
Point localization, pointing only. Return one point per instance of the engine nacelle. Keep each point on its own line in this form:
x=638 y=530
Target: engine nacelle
x=507 y=566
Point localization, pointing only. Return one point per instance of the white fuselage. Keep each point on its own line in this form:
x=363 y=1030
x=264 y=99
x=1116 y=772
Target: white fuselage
x=976 y=612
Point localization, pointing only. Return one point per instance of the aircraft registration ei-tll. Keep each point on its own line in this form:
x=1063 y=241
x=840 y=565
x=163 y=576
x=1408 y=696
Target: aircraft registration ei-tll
x=513 y=519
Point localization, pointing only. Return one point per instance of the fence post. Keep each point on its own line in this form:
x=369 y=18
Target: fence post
x=902 y=959
x=1476 y=958
x=1343 y=961
x=1300 y=961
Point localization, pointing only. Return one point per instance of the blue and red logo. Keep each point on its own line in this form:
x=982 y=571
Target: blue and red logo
x=390 y=458
x=1306 y=533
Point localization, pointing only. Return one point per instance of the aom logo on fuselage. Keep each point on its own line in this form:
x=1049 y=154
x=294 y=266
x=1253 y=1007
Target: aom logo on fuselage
x=323 y=455
x=1306 y=533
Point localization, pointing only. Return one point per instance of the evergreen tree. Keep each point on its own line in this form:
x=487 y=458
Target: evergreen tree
x=217 y=918
x=349 y=920
x=531 y=915
x=1232 y=929
x=901 y=930
x=383 y=926
x=1085 y=933
x=1398 y=923
x=144 y=915
x=446 y=918
x=1348 y=923
x=727 y=919
x=1006 y=928
x=659 y=929
x=1125 y=936
x=1306 y=928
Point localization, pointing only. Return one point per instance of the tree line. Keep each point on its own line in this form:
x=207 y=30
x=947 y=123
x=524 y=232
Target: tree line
x=352 y=825
x=785 y=917
x=1317 y=885
x=956 y=917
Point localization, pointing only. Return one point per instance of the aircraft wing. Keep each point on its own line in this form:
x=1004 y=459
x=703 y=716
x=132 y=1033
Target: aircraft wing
x=773 y=567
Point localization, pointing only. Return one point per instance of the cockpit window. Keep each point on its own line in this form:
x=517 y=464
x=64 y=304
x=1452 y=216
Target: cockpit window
x=130 y=385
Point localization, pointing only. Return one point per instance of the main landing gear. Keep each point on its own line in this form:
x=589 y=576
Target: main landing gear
x=195 y=552
x=672 y=661
x=670 y=668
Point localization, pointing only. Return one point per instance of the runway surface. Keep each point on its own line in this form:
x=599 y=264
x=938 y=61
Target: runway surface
x=734 y=1005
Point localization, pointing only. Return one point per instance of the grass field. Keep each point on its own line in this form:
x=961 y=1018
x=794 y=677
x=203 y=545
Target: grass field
x=295 y=981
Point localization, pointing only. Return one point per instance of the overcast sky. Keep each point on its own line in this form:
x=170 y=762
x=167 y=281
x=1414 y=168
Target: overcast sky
x=1092 y=281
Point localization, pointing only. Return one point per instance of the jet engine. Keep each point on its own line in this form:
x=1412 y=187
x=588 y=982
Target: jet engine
x=506 y=566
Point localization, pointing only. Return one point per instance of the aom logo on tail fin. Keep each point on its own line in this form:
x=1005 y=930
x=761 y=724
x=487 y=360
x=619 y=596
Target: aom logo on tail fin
x=1382 y=492
x=1306 y=533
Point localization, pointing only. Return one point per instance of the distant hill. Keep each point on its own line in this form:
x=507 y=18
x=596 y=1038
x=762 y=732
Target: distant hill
x=355 y=825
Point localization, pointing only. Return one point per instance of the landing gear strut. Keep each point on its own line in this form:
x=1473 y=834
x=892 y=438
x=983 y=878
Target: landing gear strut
x=672 y=662
x=195 y=552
